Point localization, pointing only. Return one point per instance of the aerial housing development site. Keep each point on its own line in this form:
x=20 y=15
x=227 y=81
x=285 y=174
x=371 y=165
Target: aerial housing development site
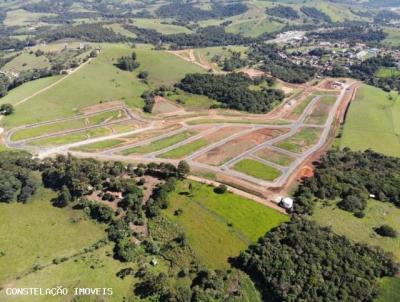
x=200 y=151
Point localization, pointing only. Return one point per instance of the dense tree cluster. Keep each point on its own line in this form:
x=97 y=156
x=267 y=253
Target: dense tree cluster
x=86 y=32
x=233 y=91
x=352 y=177
x=280 y=66
x=128 y=63
x=203 y=37
x=352 y=34
x=315 y=14
x=17 y=177
x=234 y=61
x=301 y=261
x=7 y=43
x=188 y=12
x=6 y=109
x=285 y=12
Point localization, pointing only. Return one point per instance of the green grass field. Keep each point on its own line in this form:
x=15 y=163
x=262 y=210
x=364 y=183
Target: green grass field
x=159 y=144
x=393 y=37
x=185 y=150
x=388 y=72
x=377 y=213
x=301 y=141
x=192 y=101
x=166 y=29
x=164 y=68
x=379 y=127
x=257 y=169
x=37 y=232
x=27 y=89
x=26 y=61
x=219 y=226
x=80 y=90
x=390 y=290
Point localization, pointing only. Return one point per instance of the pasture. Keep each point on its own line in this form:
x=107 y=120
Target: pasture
x=361 y=230
x=389 y=289
x=257 y=169
x=219 y=225
x=79 y=90
x=25 y=226
x=26 y=61
x=379 y=127
x=160 y=26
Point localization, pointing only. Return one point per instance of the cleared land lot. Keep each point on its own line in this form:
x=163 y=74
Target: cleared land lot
x=301 y=141
x=275 y=157
x=237 y=146
x=373 y=121
x=320 y=112
x=214 y=137
x=72 y=137
x=69 y=125
x=218 y=226
x=257 y=169
x=160 y=144
x=361 y=230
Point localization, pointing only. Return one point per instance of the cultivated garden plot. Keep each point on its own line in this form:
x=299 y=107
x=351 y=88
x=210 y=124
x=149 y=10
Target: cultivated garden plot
x=237 y=146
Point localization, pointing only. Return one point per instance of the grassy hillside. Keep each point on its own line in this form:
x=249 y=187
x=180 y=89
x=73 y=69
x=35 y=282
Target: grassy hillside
x=98 y=81
x=361 y=230
x=219 y=226
x=379 y=127
x=390 y=290
x=36 y=233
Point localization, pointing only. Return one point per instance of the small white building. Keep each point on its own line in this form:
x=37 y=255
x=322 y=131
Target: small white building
x=287 y=203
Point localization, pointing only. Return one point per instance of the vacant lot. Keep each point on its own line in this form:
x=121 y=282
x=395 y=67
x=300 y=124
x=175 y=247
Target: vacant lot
x=72 y=137
x=219 y=226
x=301 y=141
x=257 y=169
x=379 y=127
x=237 y=146
x=160 y=144
x=320 y=112
x=377 y=213
x=92 y=120
x=275 y=157
x=214 y=137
